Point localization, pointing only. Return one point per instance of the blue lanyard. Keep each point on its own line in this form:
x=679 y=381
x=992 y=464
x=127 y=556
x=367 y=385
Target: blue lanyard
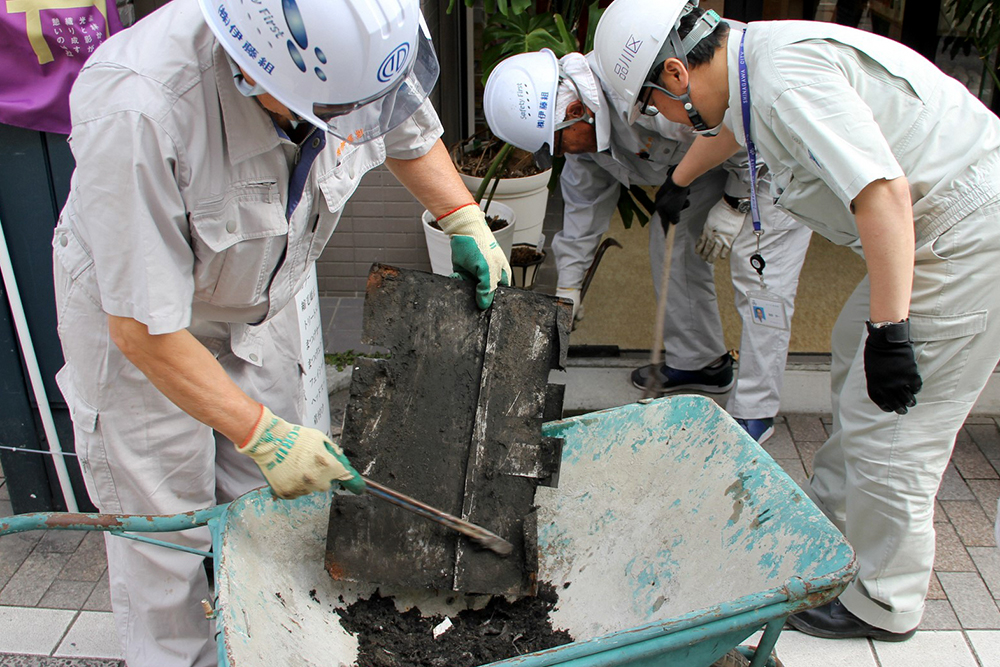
x=751 y=149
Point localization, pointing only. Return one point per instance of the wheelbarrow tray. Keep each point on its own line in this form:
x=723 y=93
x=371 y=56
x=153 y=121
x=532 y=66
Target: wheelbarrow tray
x=671 y=538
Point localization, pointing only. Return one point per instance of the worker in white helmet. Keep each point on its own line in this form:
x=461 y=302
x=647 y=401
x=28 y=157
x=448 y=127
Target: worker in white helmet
x=872 y=146
x=216 y=146
x=587 y=122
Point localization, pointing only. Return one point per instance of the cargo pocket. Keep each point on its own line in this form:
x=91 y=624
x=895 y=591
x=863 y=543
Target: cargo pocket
x=89 y=444
x=238 y=242
x=941 y=345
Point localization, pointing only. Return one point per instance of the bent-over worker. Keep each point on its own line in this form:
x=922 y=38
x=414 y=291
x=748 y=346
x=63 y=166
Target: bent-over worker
x=216 y=146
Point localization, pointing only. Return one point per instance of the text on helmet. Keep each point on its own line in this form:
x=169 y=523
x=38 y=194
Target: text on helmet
x=627 y=55
x=237 y=35
x=543 y=104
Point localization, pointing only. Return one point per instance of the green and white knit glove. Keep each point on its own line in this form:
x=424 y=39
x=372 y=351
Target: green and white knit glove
x=475 y=253
x=297 y=460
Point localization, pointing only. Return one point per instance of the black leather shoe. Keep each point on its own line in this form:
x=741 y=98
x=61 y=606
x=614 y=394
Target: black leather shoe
x=834 y=621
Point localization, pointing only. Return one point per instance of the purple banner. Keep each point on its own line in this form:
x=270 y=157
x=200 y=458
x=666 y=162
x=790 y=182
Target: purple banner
x=43 y=45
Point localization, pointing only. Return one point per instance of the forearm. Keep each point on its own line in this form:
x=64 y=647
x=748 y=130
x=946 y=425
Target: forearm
x=187 y=373
x=884 y=217
x=433 y=180
x=705 y=154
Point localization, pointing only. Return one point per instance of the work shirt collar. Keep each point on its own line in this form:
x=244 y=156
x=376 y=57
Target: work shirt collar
x=249 y=130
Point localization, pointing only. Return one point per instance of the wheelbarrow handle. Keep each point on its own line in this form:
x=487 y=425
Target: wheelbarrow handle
x=140 y=523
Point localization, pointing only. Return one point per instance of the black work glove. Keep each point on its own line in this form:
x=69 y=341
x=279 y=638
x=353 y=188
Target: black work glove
x=671 y=199
x=890 y=367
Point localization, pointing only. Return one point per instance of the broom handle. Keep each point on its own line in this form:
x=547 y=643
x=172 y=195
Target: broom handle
x=655 y=356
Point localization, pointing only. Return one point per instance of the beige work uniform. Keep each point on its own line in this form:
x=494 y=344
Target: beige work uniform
x=188 y=210
x=833 y=110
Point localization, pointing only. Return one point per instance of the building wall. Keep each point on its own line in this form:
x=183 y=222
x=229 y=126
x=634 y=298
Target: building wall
x=381 y=222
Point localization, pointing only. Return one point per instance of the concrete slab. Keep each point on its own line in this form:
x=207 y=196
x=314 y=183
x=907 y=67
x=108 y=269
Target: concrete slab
x=798 y=650
x=927 y=648
x=986 y=644
x=92 y=635
x=32 y=631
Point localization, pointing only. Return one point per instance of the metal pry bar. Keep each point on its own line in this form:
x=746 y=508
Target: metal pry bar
x=477 y=534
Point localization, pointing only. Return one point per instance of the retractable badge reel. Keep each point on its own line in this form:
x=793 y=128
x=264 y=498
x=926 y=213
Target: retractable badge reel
x=766 y=309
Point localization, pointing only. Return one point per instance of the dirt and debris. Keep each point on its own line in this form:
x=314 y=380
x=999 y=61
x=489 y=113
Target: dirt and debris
x=525 y=255
x=495 y=222
x=500 y=630
x=474 y=156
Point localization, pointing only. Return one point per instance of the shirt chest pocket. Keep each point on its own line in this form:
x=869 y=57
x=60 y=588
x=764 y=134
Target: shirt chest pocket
x=814 y=205
x=238 y=242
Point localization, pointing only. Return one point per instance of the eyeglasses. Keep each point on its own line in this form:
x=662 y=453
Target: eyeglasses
x=646 y=93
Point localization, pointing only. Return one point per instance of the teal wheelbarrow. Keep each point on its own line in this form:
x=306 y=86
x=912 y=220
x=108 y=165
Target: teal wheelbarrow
x=672 y=537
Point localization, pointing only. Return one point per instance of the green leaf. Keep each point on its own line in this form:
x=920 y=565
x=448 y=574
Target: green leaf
x=642 y=198
x=594 y=13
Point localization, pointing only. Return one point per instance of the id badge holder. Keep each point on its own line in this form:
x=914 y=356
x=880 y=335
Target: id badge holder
x=767 y=310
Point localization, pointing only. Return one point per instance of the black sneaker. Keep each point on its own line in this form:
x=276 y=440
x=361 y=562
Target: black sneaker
x=714 y=379
x=834 y=621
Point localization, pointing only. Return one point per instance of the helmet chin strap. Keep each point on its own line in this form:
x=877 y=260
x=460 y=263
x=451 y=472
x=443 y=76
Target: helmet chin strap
x=685 y=98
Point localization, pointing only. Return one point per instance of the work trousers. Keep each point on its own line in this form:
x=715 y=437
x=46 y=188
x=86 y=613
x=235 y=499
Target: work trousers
x=693 y=336
x=877 y=474
x=141 y=454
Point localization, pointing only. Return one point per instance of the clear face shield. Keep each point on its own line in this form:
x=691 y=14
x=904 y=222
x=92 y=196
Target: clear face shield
x=369 y=119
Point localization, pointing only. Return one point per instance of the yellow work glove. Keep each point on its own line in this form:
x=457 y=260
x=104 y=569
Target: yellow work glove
x=475 y=253
x=297 y=460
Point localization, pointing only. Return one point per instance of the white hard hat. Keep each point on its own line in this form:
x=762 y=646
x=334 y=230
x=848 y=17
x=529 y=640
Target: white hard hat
x=354 y=68
x=634 y=36
x=520 y=100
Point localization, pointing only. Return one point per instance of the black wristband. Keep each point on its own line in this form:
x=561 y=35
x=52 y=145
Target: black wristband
x=896 y=333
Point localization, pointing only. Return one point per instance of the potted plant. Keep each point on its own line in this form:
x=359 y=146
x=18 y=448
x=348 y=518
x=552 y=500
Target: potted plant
x=501 y=219
x=512 y=27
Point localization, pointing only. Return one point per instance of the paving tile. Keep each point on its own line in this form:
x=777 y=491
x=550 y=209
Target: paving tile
x=32 y=631
x=971 y=600
x=5 y=508
x=987 y=436
x=970 y=522
x=807 y=452
x=32 y=579
x=806 y=427
x=986 y=644
x=100 y=598
x=60 y=541
x=953 y=487
x=795 y=649
x=92 y=636
x=970 y=460
x=950 y=555
x=927 y=648
x=934 y=591
x=987 y=560
x=938 y=615
x=4 y=491
x=986 y=492
x=939 y=514
x=794 y=469
x=780 y=445
x=89 y=561
x=13 y=550
x=67 y=594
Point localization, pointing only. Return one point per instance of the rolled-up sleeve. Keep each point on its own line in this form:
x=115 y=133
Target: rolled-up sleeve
x=132 y=217
x=415 y=136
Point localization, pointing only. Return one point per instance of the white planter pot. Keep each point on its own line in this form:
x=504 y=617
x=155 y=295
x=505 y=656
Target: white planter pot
x=528 y=196
x=439 y=243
